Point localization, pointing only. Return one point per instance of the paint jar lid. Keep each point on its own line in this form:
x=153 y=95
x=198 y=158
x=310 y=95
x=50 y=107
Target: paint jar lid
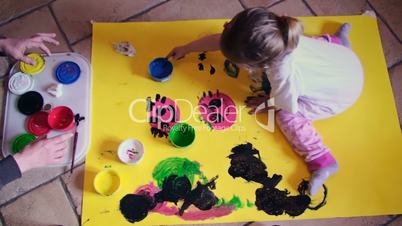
x=36 y=68
x=37 y=124
x=20 y=83
x=160 y=69
x=131 y=151
x=21 y=141
x=107 y=182
x=182 y=135
x=61 y=118
x=30 y=103
x=68 y=72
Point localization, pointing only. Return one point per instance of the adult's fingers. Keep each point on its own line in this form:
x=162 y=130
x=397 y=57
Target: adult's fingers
x=33 y=44
x=51 y=35
x=27 y=60
x=45 y=39
x=61 y=138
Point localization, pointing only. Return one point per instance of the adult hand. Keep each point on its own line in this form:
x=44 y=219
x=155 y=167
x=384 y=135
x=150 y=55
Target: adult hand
x=178 y=52
x=43 y=152
x=16 y=47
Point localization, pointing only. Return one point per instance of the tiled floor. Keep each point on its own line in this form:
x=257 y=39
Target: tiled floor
x=51 y=196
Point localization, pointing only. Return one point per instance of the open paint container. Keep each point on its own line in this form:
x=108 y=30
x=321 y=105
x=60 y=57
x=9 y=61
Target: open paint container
x=107 y=182
x=160 y=69
x=61 y=118
x=131 y=151
x=68 y=72
x=36 y=68
x=30 y=103
x=20 y=83
x=182 y=135
x=21 y=141
x=37 y=124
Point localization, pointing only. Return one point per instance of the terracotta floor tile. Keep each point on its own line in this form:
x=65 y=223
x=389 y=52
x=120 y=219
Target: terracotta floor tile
x=337 y=7
x=84 y=48
x=291 y=8
x=192 y=9
x=75 y=15
x=40 y=207
x=258 y=3
x=396 y=82
x=38 y=21
x=75 y=183
x=396 y=222
x=392 y=47
x=391 y=11
x=12 y=8
x=352 y=221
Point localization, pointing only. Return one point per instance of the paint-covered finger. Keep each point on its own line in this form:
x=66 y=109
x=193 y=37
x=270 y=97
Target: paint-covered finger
x=172 y=53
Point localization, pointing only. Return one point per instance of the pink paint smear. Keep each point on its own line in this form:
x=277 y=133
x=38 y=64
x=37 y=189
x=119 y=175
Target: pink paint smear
x=193 y=214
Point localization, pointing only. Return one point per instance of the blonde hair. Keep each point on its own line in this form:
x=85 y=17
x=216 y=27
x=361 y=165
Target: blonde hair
x=260 y=38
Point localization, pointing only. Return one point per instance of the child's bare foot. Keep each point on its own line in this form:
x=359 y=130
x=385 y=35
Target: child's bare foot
x=319 y=177
x=343 y=34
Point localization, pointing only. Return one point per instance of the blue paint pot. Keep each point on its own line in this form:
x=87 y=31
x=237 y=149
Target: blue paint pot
x=67 y=72
x=160 y=69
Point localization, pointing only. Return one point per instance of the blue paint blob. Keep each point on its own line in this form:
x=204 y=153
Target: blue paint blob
x=68 y=72
x=160 y=69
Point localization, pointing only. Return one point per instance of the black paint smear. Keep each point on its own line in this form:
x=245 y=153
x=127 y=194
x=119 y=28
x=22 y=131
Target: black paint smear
x=215 y=118
x=212 y=70
x=157 y=97
x=163 y=100
x=157 y=132
x=201 y=197
x=200 y=67
x=202 y=56
x=271 y=200
x=231 y=69
x=174 y=188
x=215 y=103
x=266 y=85
x=245 y=164
x=210 y=94
x=135 y=207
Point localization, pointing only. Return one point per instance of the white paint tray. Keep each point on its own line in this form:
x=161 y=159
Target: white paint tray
x=76 y=96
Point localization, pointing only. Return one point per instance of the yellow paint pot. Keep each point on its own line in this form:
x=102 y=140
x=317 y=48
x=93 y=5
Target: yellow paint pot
x=33 y=69
x=107 y=182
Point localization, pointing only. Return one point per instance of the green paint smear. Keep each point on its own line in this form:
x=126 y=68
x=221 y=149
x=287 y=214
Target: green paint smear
x=234 y=201
x=176 y=166
x=249 y=204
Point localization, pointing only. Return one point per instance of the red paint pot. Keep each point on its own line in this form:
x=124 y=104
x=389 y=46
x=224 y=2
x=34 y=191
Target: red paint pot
x=37 y=124
x=61 y=118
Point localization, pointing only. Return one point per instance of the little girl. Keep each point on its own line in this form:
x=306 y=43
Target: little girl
x=311 y=78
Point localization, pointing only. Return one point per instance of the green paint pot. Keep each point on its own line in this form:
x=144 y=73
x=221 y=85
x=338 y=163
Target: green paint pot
x=182 y=135
x=21 y=141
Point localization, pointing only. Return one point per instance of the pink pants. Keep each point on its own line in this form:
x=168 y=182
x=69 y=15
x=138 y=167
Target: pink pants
x=301 y=134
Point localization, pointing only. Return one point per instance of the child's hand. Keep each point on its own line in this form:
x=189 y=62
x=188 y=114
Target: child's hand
x=178 y=52
x=43 y=152
x=255 y=103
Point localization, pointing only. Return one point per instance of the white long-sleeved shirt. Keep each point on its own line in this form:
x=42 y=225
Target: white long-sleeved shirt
x=318 y=78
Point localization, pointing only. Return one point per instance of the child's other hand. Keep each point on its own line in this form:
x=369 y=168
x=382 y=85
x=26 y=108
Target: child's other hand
x=178 y=52
x=255 y=103
x=43 y=152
